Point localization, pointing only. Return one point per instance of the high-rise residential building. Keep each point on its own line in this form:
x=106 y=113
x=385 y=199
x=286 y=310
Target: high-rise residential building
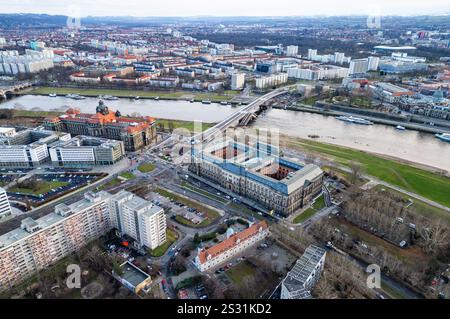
x=358 y=66
x=257 y=173
x=339 y=57
x=139 y=219
x=311 y=54
x=40 y=243
x=305 y=274
x=237 y=81
x=292 y=50
x=5 y=208
x=373 y=63
x=271 y=80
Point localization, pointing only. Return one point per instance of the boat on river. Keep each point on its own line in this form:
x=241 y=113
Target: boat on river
x=353 y=119
x=444 y=137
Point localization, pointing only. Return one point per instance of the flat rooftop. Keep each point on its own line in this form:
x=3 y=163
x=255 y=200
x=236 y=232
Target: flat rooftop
x=132 y=274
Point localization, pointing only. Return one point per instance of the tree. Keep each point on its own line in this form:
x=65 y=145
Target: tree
x=356 y=170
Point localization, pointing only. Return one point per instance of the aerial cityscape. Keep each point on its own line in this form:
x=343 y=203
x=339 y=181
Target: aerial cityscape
x=218 y=153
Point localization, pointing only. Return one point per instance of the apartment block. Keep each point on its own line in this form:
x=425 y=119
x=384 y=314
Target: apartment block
x=139 y=219
x=5 y=208
x=305 y=274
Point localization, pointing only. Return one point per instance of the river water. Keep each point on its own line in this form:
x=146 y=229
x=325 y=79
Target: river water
x=409 y=145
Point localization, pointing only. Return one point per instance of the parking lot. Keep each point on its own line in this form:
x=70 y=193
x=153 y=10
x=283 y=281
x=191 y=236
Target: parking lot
x=50 y=186
x=176 y=208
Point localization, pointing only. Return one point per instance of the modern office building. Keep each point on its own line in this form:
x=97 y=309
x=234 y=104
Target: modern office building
x=139 y=219
x=31 y=62
x=83 y=151
x=28 y=148
x=211 y=257
x=305 y=274
x=237 y=81
x=5 y=208
x=389 y=92
x=135 y=133
x=259 y=174
x=40 y=243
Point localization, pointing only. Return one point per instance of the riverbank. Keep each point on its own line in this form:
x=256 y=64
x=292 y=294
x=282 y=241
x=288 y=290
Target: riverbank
x=125 y=93
x=428 y=184
x=374 y=119
x=21 y=117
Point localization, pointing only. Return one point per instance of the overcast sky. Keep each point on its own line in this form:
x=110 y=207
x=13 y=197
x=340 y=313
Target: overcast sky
x=149 y=8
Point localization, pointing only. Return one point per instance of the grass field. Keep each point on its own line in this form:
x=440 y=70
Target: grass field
x=146 y=168
x=127 y=175
x=160 y=250
x=189 y=125
x=42 y=188
x=318 y=205
x=427 y=184
x=217 y=97
x=211 y=214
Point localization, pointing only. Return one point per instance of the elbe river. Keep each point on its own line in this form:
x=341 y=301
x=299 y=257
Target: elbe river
x=409 y=145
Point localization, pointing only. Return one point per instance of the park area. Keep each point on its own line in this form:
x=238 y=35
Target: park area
x=146 y=168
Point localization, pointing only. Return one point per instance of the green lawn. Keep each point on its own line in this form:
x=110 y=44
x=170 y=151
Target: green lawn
x=127 y=175
x=160 y=250
x=111 y=183
x=42 y=188
x=210 y=214
x=318 y=205
x=146 y=167
x=427 y=184
x=217 y=97
x=240 y=271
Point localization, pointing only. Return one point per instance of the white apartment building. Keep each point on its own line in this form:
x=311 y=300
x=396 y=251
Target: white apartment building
x=139 y=219
x=5 y=208
x=40 y=243
x=305 y=274
x=28 y=148
x=31 y=62
x=7 y=132
x=312 y=53
x=358 y=66
x=232 y=246
x=373 y=63
x=292 y=50
x=237 y=81
x=271 y=80
x=318 y=72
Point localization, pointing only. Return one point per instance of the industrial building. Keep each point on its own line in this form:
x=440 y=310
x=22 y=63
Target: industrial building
x=258 y=173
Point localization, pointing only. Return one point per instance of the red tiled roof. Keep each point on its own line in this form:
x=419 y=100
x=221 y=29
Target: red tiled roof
x=232 y=241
